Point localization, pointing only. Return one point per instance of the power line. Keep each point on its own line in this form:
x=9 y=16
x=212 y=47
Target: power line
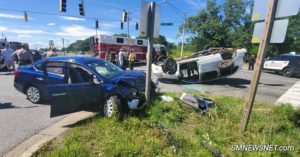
x=54 y=14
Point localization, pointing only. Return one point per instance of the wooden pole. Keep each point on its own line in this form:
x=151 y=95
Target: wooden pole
x=150 y=31
x=259 y=62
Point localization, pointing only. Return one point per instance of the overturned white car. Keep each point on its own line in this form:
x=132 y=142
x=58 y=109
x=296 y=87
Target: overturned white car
x=202 y=66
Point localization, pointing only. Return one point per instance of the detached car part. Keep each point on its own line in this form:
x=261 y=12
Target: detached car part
x=197 y=102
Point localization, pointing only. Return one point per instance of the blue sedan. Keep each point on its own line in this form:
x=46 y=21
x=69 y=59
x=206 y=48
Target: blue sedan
x=74 y=83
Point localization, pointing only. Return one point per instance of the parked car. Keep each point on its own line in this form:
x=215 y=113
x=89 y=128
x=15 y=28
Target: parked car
x=287 y=64
x=204 y=66
x=76 y=82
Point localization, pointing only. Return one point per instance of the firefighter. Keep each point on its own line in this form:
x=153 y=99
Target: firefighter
x=131 y=59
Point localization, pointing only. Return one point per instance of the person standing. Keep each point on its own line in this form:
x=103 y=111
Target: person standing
x=8 y=59
x=51 y=53
x=108 y=56
x=251 y=62
x=37 y=56
x=121 y=59
x=116 y=59
x=23 y=55
x=131 y=59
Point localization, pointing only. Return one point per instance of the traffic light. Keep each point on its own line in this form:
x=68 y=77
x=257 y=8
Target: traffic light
x=122 y=25
x=25 y=16
x=97 y=24
x=124 y=16
x=81 y=9
x=63 y=5
x=137 y=26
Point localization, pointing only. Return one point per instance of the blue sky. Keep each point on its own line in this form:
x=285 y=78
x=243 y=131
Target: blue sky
x=42 y=27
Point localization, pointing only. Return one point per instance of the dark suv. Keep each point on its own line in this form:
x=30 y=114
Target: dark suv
x=287 y=64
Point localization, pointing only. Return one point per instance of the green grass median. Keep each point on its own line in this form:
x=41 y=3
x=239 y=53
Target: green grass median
x=175 y=129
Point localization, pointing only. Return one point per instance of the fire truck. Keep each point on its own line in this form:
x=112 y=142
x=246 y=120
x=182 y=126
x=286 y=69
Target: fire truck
x=113 y=44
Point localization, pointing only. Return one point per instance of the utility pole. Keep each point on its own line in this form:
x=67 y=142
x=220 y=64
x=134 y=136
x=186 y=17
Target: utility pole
x=182 y=41
x=183 y=14
x=258 y=65
x=128 y=18
x=63 y=43
x=150 y=32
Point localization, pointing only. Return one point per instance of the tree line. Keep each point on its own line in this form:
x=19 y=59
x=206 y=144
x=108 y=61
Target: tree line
x=229 y=25
x=221 y=25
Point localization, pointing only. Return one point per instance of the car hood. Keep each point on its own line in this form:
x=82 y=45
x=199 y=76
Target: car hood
x=134 y=79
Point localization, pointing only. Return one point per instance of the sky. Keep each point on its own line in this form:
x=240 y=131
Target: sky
x=47 y=23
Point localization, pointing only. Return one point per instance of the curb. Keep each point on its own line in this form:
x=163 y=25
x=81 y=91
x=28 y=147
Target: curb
x=35 y=142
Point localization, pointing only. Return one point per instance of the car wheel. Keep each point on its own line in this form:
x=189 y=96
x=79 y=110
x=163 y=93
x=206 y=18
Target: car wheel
x=226 y=64
x=33 y=94
x=112 y=107
x=169 y=66
x=288 y=72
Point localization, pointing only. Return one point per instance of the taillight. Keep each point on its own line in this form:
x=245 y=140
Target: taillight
x=16 y=72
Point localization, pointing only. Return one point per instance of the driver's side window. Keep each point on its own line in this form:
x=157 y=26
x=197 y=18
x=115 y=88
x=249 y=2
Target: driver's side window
x=77 y=74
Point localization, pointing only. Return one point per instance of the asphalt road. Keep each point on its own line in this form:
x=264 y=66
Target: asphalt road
x=19 y=119
x=270 y=88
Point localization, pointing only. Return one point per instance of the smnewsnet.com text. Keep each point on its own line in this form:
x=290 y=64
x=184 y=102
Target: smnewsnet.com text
x=254 y=148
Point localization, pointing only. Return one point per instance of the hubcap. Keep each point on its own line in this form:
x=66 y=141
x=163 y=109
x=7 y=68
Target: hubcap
x=108 y=108
x=33 y=94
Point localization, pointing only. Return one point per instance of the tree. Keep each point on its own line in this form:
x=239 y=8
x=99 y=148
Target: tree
x=206 y=27
x=121 y=35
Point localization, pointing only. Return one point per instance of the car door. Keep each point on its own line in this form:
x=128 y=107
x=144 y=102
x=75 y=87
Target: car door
x=75 y=93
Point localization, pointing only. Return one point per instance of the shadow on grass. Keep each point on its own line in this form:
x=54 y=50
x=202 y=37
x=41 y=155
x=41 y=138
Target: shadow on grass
x=295 y=118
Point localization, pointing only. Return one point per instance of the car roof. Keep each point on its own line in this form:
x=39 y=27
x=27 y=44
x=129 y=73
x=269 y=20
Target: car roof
x=79 y=58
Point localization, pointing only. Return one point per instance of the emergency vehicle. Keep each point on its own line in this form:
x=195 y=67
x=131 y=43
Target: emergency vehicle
x=113 y=44
x=287 y=64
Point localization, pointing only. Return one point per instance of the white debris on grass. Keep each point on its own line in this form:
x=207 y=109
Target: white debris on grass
x=166 y=98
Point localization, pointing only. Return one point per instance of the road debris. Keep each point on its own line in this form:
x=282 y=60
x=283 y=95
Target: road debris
x=198 y=102
x=166 y=98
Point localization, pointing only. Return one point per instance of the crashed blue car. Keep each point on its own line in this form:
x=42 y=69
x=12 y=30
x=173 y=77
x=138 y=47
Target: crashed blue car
x=75 y=83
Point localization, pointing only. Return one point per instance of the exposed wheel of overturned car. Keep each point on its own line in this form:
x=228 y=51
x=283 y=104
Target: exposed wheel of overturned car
x=113 y=107
x=169 y=66
x=226 y=64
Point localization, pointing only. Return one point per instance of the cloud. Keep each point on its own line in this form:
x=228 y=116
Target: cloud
x=197 y=4
x=3 y=28
x=78 y=32
x=72 y=18
x=51 y=24
x=11 y=16
x=22 y=36
x=26 y=31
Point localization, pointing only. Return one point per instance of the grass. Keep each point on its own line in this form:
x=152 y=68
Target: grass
x=174 y=129
x=175 y=53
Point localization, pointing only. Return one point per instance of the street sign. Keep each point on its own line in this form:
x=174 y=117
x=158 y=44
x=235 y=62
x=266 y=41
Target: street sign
x=284 y=8
x=166 y=24
x=278 y=32
x=144 y=17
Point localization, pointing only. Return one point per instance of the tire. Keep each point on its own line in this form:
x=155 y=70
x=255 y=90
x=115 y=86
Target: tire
x=287 y=72
x=226 y=64
x=169 y=66
x=112 y=107
x=33 y=94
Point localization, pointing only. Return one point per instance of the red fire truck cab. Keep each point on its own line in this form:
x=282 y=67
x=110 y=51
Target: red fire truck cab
x=113 y=44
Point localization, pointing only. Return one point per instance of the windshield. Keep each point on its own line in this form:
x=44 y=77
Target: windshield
x=107 y=69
